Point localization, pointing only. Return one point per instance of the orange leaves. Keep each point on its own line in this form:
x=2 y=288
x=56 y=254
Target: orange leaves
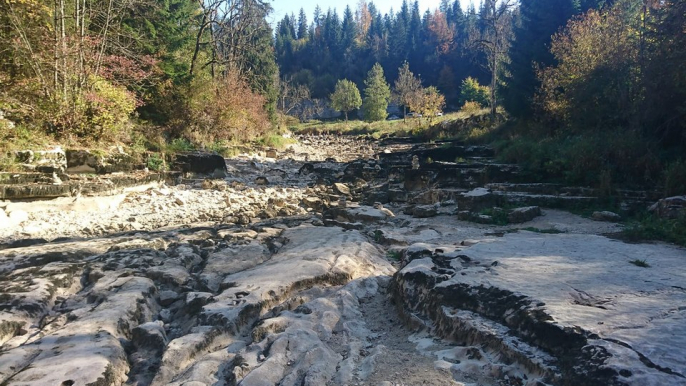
x=442 y=36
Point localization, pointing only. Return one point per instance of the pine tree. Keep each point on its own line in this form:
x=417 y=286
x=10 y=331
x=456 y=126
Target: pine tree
x=539 y=20
x=346 y=97
x=302 y=24
x=377 y=94
x=263 y=70
x=348 y=31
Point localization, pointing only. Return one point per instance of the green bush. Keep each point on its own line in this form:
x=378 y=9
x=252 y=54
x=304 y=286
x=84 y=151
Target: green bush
x=651 y=227
x=155 y=163
x=594 y=159
x=471 y=107
x=99 y=112
x=675 y=178
x=472 y=91
x=179 y=145
x=107 y=108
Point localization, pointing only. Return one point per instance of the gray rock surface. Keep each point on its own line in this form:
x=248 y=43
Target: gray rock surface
x=520 y=215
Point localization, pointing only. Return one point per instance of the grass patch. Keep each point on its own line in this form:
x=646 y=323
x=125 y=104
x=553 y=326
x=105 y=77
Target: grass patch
x=499 y=215
x=277 y=141
x=640 y=263
x=394 y=255
x=179 y=145
x=652 y=228
x=156 y=163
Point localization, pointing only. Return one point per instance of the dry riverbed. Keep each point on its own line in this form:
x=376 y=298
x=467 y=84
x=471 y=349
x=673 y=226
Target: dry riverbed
x=266 y=277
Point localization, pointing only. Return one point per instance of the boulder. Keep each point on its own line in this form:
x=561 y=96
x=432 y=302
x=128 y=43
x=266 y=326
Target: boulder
x=424 y=211
x=199 y=162
x=520 y=215
x=606 y=216
x=670 y=208
x=397 y=195
x=476 y=200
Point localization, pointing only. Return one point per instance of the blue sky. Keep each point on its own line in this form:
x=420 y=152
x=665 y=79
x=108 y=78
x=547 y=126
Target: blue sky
x=284 y=7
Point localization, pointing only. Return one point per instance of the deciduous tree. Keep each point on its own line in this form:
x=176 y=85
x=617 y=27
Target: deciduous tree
x=406 y=87
x=346 y=97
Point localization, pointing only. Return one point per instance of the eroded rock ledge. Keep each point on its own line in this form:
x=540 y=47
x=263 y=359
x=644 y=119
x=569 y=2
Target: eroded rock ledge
x=568 y=307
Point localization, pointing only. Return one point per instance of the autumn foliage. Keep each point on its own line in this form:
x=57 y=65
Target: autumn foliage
x=224 y=109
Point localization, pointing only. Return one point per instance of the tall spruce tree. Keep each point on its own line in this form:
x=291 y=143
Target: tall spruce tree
x=302 y=24
x=539 y=20
x=377 y=94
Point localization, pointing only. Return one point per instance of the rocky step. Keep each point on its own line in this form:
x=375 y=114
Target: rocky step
x=457 y=175
x=438 y=152
x=544 y=200
x=74 y=185
x=569 y=328
x=630 y=200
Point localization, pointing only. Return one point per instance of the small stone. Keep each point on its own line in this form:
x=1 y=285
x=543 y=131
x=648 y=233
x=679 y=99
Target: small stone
x=166 y=315
x=261 y=181
x=168 y=297
x=313 y=202
x=342 y=188
x=179 y=201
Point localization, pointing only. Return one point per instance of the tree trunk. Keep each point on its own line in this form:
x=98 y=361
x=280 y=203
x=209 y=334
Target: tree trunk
x=56 y=63
x=198 y=38
x=63 y=46
x=494 y=83
x=104 y=37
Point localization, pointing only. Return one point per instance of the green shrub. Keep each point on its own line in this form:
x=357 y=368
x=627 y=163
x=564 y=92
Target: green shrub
x=675 y=178
x=155 y=163
x=651 y=227
x=470 y=108
x=621 y=157
x=472 y=91
x=107 y=108
x=179 y=145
